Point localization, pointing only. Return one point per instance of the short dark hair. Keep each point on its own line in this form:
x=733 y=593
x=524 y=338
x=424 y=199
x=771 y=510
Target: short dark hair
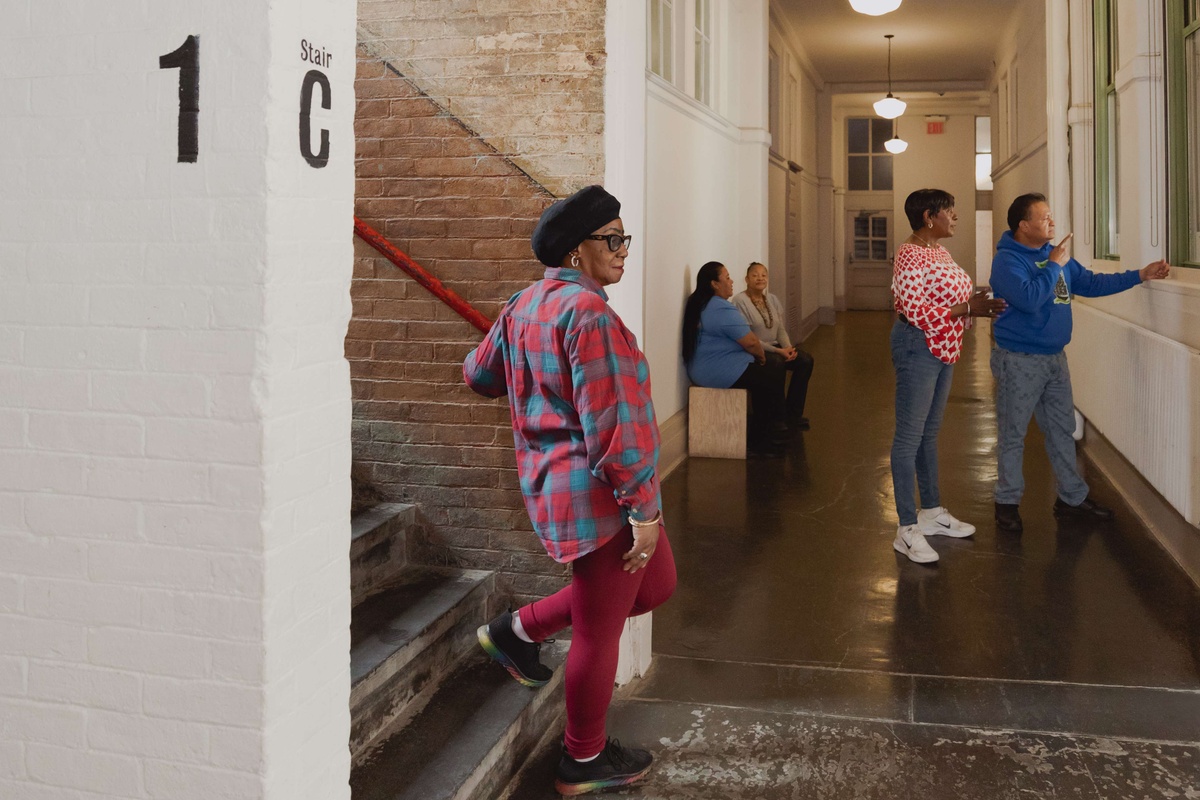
x=922 y=200
x=1019 y=210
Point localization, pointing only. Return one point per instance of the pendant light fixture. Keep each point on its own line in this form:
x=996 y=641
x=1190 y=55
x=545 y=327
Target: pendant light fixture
x=895 y=145
x=874 y=8
x=890 y=107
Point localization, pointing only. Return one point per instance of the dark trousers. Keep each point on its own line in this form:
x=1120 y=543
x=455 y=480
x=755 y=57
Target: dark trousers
x=765 y=384
x=801 y=368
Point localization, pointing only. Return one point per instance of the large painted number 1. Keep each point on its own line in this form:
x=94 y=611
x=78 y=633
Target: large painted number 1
x=187 y=60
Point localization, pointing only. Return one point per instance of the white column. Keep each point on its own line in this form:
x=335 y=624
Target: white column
x=174 y=401
x=625 y=178
x=625 y=148
x=1058 y=102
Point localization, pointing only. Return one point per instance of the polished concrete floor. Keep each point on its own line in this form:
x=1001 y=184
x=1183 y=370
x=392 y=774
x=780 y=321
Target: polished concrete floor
x=803 y=657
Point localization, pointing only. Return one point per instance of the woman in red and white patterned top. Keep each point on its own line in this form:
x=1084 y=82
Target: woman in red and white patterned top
x=934 y=306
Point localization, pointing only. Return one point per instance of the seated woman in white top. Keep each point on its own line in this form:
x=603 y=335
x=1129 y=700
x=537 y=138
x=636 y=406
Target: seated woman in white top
x=764 y=312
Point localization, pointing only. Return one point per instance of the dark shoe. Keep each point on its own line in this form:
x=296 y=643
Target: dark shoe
x=799 y=423
x=1008 y=518
x=520 y=658
x=1088 y=508
x=615 y=766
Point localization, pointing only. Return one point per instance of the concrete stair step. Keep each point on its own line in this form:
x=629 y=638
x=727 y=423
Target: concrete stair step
x=469 y=740
x=378 y=546
x=404 y=638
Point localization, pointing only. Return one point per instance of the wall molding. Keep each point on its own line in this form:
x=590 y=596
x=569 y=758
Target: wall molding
x=1168 y=527
x=672 y=450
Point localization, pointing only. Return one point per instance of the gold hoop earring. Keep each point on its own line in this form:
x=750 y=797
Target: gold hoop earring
x=930 y=225
x=574 y=260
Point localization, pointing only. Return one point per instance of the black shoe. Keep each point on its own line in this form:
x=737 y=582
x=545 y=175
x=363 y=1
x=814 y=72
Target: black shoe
x=615 y=766
x=761 y=451
x=520 y=658
x=1008 y=518
x=1088 y=508
x=799 y=423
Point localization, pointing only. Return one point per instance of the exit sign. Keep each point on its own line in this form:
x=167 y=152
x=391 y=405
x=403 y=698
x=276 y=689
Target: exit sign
x=934 y=127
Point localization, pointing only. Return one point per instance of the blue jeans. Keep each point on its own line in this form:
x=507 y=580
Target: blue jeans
x=922 y=388
x=1033 y=385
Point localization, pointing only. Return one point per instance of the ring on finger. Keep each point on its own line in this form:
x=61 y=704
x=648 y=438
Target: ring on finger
x=643 y=556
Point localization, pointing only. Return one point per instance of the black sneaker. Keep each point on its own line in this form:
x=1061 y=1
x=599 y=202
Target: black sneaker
x=1008 y=517
x=1088 y=508
x=615 y=766
x=522 y=659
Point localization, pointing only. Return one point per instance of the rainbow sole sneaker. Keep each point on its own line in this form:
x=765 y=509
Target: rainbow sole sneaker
x=615 y=766
x=520 y=658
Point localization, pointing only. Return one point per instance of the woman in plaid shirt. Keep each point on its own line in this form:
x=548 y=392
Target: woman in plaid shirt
x=587 y=451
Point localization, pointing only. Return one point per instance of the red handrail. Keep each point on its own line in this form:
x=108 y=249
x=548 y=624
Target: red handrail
x=414 y=270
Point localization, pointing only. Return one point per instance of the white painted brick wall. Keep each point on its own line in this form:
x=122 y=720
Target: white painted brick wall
x=174 y=405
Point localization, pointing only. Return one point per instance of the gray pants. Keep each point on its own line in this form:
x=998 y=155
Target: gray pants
x=1035 y=385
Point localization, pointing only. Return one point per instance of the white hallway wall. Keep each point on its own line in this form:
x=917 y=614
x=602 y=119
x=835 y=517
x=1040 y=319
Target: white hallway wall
x=1047 y=68
x=706 y=192
x=174 y=446
x=1150 y=413
x=800 y=126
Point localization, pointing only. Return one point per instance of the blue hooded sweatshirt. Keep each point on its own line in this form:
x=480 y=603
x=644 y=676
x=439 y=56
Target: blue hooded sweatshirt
x=1039 y=292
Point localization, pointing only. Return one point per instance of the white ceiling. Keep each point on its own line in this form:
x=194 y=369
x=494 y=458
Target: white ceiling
x=938 y=42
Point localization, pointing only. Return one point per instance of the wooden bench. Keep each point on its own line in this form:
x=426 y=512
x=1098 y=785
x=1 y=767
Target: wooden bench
x=716 y=423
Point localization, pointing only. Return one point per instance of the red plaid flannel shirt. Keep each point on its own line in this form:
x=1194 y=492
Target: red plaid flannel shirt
x=583 y=423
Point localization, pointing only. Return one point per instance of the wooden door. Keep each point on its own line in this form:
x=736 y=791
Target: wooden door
x=869 y=260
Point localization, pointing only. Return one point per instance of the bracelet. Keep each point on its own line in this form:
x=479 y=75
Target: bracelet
x=649 y=523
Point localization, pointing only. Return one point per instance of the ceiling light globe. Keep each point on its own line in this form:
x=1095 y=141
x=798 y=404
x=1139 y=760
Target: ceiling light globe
x=874 y=8
x=890 y=107
x=895 y=145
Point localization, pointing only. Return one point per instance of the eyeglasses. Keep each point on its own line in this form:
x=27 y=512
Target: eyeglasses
x=615 y=240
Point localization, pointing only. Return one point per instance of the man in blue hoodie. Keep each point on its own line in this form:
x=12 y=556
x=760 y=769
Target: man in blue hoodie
x=1028 y=362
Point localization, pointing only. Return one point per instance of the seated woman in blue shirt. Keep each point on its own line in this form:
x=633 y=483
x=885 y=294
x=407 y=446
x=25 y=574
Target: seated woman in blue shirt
x=721 y=352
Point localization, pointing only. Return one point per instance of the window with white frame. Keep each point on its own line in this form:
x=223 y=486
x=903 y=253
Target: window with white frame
x=868 y=163
x=683 y=47
x=1107 y=119
x=983 y=154
x=703 y=53
x=662 y=39
x=1183 y=132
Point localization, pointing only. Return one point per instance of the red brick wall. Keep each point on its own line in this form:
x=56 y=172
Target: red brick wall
x=465 y=213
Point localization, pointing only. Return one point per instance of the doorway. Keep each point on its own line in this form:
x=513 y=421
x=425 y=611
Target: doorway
x=869 y=260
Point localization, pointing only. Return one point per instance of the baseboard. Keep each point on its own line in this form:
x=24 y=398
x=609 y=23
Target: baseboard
x=1179 y=538
x=672 y=447
x=827 y=315
x=808 y=325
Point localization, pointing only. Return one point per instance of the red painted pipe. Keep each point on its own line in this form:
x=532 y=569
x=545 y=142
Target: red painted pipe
x=418 y=274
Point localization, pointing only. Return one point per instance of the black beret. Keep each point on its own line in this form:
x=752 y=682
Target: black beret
x=568 y=222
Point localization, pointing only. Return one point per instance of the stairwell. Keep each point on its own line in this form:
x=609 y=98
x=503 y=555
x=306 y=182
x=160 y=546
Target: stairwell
x=432 y=717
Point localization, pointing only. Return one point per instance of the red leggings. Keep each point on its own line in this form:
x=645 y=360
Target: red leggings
x=600 y=597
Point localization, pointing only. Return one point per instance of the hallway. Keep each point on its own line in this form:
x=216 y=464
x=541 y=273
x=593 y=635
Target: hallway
x=802 y=657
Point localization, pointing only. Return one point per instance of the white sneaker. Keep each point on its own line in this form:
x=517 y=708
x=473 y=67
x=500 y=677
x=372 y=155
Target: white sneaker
x=911 y=543
x=940 y=522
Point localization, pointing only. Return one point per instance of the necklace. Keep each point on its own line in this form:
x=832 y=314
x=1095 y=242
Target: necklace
x=764 y=310
x=922 y=240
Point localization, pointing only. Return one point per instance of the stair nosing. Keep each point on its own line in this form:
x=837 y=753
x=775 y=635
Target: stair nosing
x=471 y=581
x=370 y=520
x=554 y=655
